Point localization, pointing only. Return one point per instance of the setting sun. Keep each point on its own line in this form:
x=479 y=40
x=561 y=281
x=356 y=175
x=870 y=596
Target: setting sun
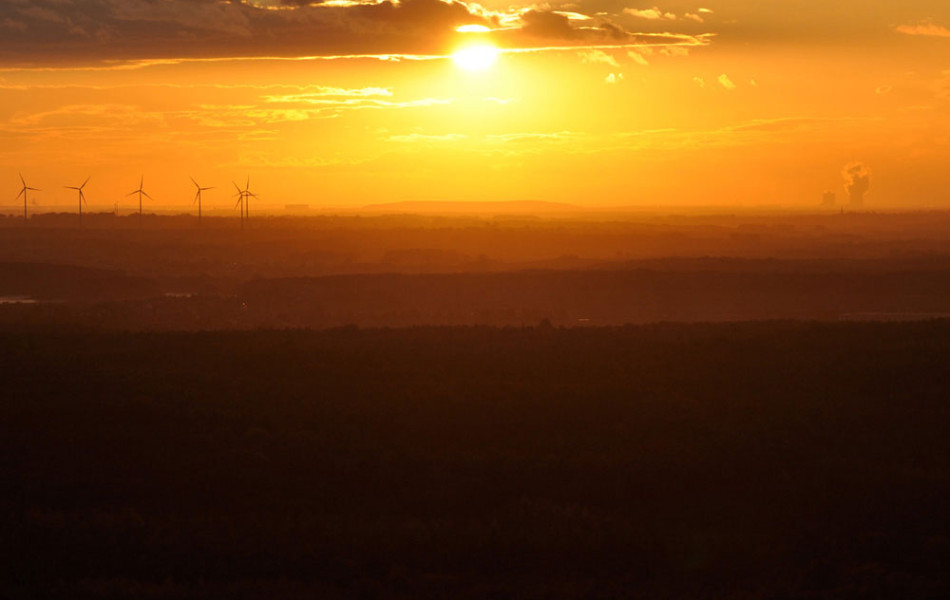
x=476 y=58
x=475 y=298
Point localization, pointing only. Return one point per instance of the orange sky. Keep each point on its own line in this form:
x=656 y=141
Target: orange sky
x=595 y=103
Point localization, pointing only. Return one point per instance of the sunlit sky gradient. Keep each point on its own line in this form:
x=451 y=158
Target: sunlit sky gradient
x=595 y=103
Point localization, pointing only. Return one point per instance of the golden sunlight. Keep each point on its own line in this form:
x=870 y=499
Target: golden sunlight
x=476 y=57
x=472 y=29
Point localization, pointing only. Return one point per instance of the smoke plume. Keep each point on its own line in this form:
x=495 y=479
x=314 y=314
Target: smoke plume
x=857 y=181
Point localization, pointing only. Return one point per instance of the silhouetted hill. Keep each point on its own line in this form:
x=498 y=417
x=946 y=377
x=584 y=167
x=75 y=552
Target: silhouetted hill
x=526 y=208
x=597 y=296
x=683 y=291
x=66 y=282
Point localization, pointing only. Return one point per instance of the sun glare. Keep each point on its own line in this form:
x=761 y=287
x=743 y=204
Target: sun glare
x=476 y=57
x=472 y=29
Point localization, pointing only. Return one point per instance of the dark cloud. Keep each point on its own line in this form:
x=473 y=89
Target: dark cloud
x=772 y=22
x=44 y=32
x=548 y=25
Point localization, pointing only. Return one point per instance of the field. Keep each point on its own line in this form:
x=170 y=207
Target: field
x=757 y=460
x=404 y=270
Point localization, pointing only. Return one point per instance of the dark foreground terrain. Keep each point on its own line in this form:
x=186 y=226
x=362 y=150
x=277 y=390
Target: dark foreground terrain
x=760 y=460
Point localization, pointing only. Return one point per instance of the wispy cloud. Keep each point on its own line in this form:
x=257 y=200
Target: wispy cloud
x=652 y=14
x=639 y=57
x=727 y=83
x=518 y=138
x=926 y=28
x=321 y=93
x=415 y=138
x=598 y=56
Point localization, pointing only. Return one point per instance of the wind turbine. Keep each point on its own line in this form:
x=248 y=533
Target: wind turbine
x=243 y=199
x=23 y=192
x=141 y=192
x=198 y=196
x=82 y=196
x=240 y=202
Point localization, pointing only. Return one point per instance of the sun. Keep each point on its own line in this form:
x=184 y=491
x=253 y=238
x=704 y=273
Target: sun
x=476 y=57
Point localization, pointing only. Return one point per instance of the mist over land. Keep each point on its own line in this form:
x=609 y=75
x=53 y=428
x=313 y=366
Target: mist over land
x=405 y=269
x=732 y=405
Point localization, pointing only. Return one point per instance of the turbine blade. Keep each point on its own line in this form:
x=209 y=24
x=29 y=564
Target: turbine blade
x=193 y=181
x=144 y=193
x=237 y=188
x=142 y=182
x=197 y=195
x=85 y=182
x=21 y=179
x=132 y=193
x=23 y=191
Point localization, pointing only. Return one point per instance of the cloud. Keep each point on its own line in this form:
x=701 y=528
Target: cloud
x=763 y=23
x=322 y=93
x=553 y=137
x=639 y=57
x=38 y=33
x=546 y=24
x=232 y=109
x=598 y=56
x=727 y=83
x=657 y=14
x=783 y=124
x=415 y=138
x=927 y=28
x=516 y=139
x=614 y=78
x=652 y=14
x=675 y=51
x=573 y=16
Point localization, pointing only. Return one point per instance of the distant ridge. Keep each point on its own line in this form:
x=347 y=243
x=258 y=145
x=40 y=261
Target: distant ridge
x=532 y=207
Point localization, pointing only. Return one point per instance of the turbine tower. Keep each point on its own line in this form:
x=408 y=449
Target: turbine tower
x=240 y=202
x=141 y=192
x=23 y=192
x=243 y=197
x=248 y=194
x=198 y=196
x=82 y=197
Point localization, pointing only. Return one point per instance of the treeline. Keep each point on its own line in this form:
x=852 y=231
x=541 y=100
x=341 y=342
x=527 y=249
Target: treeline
x=700 y=291
x=169 y=247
